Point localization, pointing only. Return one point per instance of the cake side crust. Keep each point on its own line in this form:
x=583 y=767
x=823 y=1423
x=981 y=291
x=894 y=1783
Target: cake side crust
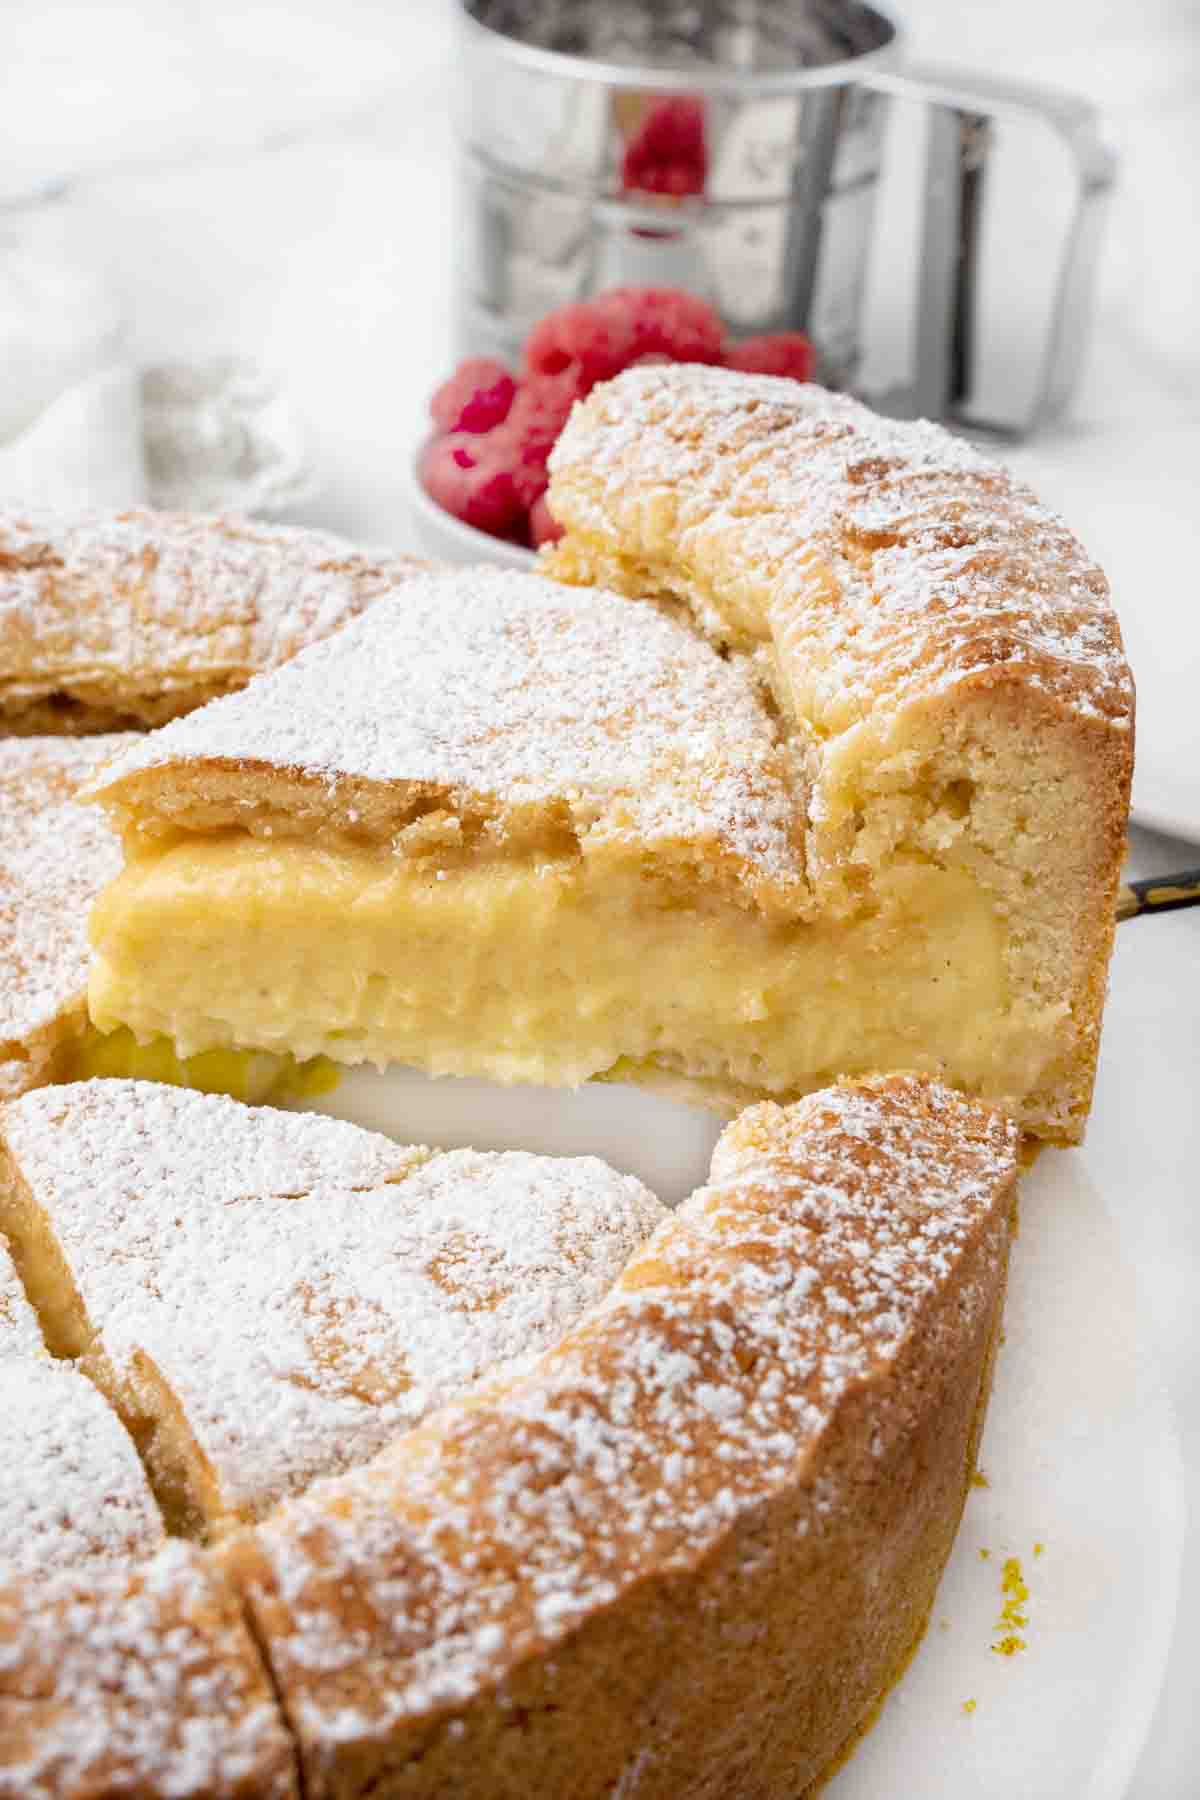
x=710 y=1522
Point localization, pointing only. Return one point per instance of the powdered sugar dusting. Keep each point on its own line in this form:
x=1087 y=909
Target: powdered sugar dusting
x=132 y=608
x=702 y=1384
x=55 y=856
x=20 y=1334
x=933 y=565
x=73 y=1488
x=307 y=1290
x=508 y=690
x=135 y=1682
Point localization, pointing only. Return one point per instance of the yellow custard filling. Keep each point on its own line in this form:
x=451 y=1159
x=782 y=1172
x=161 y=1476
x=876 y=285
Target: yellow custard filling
x=254 y=1076
x=550 y=973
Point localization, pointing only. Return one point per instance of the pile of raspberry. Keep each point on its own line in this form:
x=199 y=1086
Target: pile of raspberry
x=494 y=430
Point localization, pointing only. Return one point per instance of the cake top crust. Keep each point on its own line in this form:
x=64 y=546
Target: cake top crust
x=887 y=560
x=357 y=1283
x=129 y=608
x=55 y=856
x=833 y=1234
x=497 y=692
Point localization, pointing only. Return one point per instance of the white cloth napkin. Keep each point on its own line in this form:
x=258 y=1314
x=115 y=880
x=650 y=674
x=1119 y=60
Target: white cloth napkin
x=84 y=449
x=207 y=436
x=82 y=426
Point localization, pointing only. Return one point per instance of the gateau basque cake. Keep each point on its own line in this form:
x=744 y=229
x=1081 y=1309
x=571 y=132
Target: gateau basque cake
x=808 y=753
x=682 y=1550
x=116 y=620
x=850 y=794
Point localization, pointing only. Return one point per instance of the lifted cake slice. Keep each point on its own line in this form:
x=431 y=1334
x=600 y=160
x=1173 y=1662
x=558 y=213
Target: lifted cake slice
x=72 y=1490
x=270 y=1296
x=503 y=827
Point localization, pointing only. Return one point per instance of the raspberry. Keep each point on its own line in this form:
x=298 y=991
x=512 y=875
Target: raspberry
x=667 y=322
x=667 y=153
x=475 y=398
x=780 y=353
x=528 y=435
x=540 y=410
x=466 y=477
x=585 y=341
x=544 y=528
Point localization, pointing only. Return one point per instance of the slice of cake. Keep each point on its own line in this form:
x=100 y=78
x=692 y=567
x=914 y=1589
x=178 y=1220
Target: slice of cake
x=136 y=1682
x=268 y=1296
x=504 y=827
x=110 y=620
x=72 y=1489
x=690 y=1549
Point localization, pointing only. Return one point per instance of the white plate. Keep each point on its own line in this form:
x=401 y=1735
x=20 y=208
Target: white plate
x=1080 y=1455
x=1138 y=512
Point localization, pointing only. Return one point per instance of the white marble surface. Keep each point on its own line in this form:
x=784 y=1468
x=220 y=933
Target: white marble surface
x=274 y=180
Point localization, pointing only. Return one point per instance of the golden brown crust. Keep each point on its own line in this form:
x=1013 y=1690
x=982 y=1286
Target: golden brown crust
x=118 y=620
x=143 y=1683
x=685 y=1555
x=882 y=560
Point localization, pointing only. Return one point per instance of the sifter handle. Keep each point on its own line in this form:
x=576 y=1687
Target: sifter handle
x=963 y=104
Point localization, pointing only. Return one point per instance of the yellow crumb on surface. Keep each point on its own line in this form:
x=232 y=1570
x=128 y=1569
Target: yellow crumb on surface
x=979 y=1479
x=984 y=1555
x=1013 y=1618
x=969 y=1705
x=1038 y=1548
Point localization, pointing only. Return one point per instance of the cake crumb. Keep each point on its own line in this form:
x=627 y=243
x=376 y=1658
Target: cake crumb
x=1013 y=1618
x=980 y=1480
x=969 y=1705
x=984 y=1555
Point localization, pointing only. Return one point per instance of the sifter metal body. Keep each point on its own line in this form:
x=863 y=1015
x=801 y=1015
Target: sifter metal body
x=735 y=148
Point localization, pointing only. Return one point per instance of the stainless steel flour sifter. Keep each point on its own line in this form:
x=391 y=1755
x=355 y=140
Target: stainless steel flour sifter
x=736 y=148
